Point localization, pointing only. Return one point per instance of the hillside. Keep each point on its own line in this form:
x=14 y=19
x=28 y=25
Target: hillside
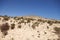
x=29 y=28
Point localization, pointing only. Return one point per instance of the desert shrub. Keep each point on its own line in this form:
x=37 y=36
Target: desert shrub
x=35 y=24
x=28 y=20
x=40 y=20
x=50 y=22
x=21 y=17
x=4 y=27
x=57 y=21
x=57 y=30
x=6 y=18
x=12 y=26
x=19 y=26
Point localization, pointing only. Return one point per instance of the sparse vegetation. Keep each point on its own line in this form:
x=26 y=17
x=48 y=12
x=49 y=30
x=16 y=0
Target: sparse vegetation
x=57 y=30
x=19 y=26
x=6 y=18
x=50 y=22
x=21 y=17
x=57 y=21
x=40 y=20
x=35 y=24
x=12 y=26
x=28 y=20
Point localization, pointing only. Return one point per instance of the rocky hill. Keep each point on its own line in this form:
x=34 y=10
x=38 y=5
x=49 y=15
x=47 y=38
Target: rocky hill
x=29 y=28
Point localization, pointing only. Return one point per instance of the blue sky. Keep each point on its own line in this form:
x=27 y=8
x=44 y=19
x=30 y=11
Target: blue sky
x=44 y=8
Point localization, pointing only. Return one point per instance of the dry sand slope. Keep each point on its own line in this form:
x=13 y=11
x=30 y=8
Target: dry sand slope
x=29 y=28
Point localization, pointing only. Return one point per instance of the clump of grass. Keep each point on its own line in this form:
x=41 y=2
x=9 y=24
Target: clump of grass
x=18 y=18
x=50 y=22
x=19 y=26
x=35 y=24
x=57 y=30
x=40 y=20
x=57 y=22
x=28 y=20
x=12 y=26
x=6 y=18
x=21 y=17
